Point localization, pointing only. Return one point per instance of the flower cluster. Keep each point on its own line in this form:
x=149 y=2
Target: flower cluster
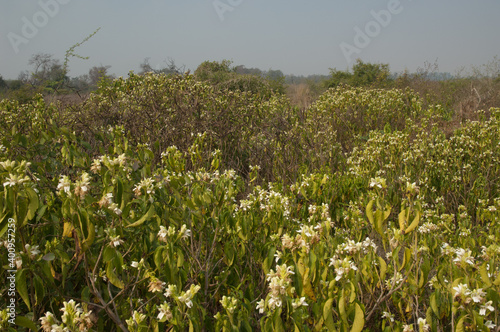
x=114 y=239
x=229 y=303
x=352 y=248
x=73 y=318
x=164 y=234
x=342 y=267
x=185 y=297
x=279 y=286
x=107 y=202
x=145 y=186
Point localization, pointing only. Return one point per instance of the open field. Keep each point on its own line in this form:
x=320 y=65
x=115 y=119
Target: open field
x=171 y=203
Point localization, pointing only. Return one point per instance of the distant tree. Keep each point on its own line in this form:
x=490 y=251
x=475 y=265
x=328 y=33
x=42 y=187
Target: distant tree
x=363 y=74
x=241 y=69
x=47 y=72
x=14 y=84
x=369 y=73
x=3 y=84
x=214 y=72
x=168 y=68
x=98 y=73
x=338 y=77
x=275 y=75
x=80 y=84
x=277 y=80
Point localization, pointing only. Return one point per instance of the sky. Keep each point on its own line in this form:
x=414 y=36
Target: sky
x=295 y=36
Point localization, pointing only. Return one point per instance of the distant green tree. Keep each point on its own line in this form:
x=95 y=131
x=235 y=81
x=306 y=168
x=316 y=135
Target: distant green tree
x=276 y=79
x=363 y=74
x=3 y=84
x=338 y=77
x=98 y=73
x=168 y=68
x=214 y=72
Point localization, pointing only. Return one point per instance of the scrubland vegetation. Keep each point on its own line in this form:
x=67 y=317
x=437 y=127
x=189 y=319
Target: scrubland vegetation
x=224 y=201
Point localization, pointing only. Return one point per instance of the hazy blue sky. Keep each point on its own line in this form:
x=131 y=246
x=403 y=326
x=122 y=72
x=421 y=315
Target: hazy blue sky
x=296 y=36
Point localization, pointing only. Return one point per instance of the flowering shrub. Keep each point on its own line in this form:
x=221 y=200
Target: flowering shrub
x=136 y=236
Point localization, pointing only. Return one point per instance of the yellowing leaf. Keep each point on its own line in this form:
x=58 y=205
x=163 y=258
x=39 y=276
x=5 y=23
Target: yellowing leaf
x=68 y=230
x=383 y=268
x=414 y=223
x=308 y=290
x=369 y=211
x=359 y=320
x=328 y=315
x=402 y=219
x=342 y=311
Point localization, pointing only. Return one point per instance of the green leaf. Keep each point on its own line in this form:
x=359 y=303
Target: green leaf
x=39 y=289
x=25 y=322
x=49 y=257
x=359 y=320
x=434 y=304
x=40 y=212
x=119 y=192
x=144 y=218
x=229 y=253
x=109 y=254
x=112 y=277
x=484 y=275
x=497 y=281
x=33 y=203
x=22 y=287
x=460 y=324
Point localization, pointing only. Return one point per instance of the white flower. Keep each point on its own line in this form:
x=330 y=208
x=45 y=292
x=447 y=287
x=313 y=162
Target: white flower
x=422 y=324
x=164 y=312
x=477 y=295
x=277 y=256
x=407 y=328
x=137 y=318
x=15 y=179
x=64 y=185
x=388 y=315
x=48 y=321
x=115 y=241
x=274 y=302
x=378 y=182
x=171 y=290
x=464 y=257
x=261 y=306
x=299 y=302
x=486 y=306
x=461 y=290
x=185 y=232
x=162 y=234
x=32 y=251
x=489 y=324
x=137 y=264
